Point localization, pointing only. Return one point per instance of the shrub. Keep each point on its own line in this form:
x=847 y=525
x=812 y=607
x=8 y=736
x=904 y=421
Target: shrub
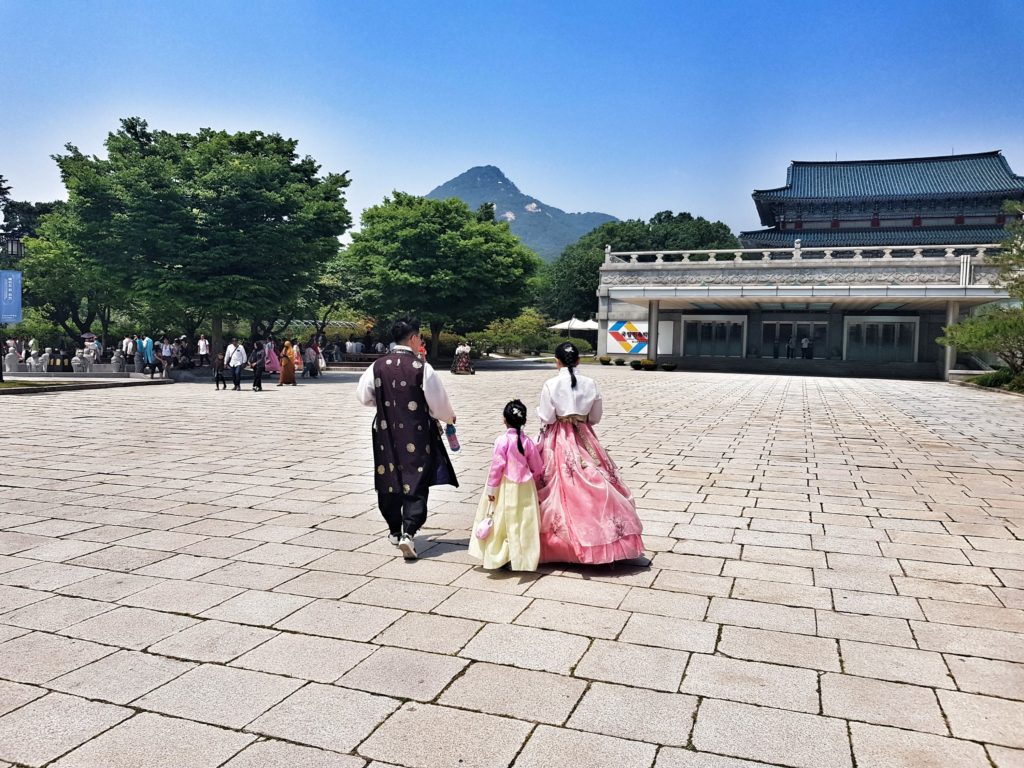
x=619 y=361
x=605 y=360
x=1016 y=384
x=668 y=366
x=999 y=330
x=635 y=364
x=648 y=365
x=584 y=346
x=997 y=378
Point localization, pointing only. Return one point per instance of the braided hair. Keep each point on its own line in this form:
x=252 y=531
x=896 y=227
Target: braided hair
x=515 y=417
x=569 y=356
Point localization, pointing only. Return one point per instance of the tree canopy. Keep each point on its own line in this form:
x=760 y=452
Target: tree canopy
x=440 y=261
x=230 y=225
x=569 y=285
x=1010 y=257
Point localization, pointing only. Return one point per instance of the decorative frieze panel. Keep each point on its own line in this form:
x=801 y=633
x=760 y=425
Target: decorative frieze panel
x=914 y=273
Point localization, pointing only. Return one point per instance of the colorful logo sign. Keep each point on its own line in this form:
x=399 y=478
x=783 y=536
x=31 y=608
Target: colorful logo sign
x=10 y=296
x=628 y=336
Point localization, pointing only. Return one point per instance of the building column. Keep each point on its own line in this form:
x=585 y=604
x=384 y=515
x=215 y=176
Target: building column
x=653 y=313
x=952 y=315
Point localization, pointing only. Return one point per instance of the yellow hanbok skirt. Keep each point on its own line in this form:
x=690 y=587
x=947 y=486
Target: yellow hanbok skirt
x=515 y=536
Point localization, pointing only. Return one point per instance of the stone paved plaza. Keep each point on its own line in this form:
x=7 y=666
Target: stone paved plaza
x=196 y=578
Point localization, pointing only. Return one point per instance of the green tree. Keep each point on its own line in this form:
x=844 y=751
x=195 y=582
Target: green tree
x=66 y=277
x=569 y=284
x=999 y=331
x=440 y=261
x=234 y=225
x=1010 y=258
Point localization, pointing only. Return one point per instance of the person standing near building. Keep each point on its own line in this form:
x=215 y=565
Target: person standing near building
x=235 y=358
x=408 y=452
x=805 y=348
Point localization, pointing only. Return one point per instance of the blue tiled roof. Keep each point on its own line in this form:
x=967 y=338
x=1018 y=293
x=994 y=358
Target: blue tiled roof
x=850 y=238
x=983 y=173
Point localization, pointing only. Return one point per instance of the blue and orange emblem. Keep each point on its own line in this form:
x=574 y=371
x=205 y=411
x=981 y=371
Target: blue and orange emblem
x=630 y=339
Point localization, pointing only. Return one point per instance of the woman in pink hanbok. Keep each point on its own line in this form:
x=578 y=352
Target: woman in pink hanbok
x=273 y=364
x=587 y=514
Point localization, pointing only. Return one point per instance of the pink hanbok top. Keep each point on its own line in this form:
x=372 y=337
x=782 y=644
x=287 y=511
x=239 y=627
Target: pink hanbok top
x=509 y=462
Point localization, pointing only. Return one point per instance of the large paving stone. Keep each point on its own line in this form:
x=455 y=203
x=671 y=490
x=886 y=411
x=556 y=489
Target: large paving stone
x=875 y=745
x=14 y=695
x=219 y=695
x=154 y=741
x=636 y=665
x=882 y=703
x=38 y=657
x=404 y=673
x=752 y=682
x=426 y=632
x=635 y=713
x=121 y=677
x=325 y=716
x=279 y=754
x=322 y=659
x=558 y=746
x=212 y=641
x=429 y=736
x=345 y=621
x=48 y=727
x=984 y=718
x=759 y=733
x=526 y=647
x=521 y=693
x=135 y=628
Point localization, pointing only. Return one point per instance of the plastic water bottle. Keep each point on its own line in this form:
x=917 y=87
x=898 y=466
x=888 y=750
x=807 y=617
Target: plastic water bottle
x=453 y=440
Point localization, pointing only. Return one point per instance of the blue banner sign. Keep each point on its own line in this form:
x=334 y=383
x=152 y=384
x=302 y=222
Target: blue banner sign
x=10 y=296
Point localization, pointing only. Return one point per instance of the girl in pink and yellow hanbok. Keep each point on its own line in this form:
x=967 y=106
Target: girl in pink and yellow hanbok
x=508 y=509
x=587 y=513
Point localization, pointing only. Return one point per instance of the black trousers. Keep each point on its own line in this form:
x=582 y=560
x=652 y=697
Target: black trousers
x=218 y=380
x=236 y=376
x=403 y=513
x=257 y=378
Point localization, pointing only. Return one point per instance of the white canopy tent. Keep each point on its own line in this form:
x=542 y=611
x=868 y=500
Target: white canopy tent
x=573 y=324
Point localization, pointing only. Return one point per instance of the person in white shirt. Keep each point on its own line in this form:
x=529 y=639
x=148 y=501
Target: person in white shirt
x=587 y=514
x=203 y=349
x=235 y=358
x=408 y=452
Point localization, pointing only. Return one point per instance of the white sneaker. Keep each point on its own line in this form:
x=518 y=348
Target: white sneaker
x=394 y=538
x=408 y=547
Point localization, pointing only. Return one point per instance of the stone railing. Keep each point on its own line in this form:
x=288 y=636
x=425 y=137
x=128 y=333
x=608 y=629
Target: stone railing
x=893 y=252
x=958 y=265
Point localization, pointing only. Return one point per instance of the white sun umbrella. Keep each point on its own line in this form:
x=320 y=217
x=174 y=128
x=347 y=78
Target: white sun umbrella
x=573 y=324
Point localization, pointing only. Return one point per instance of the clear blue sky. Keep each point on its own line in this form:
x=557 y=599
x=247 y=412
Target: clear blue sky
x=625 y=108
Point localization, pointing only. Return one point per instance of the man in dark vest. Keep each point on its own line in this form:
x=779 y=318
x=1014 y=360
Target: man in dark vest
x=408 y=452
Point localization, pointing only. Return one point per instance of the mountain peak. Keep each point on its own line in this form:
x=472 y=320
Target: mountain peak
x=544 y=228
x=483 y=177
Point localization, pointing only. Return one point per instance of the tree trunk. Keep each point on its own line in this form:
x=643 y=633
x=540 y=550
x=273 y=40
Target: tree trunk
x=105 y=326
x=435 y=340
x=217 y=335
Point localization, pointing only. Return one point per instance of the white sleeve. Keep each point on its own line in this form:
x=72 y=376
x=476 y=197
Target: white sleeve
x=597 y=409
x=546 y=408
x=364 y=390
x=437 y=398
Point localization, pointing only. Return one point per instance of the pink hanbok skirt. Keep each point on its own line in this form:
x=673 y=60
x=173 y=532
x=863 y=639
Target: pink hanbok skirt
x=273 y=364
x=587 y=514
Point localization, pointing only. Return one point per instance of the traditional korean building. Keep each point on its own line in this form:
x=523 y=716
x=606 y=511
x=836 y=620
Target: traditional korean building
x=955 y=199
x=860 y=267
